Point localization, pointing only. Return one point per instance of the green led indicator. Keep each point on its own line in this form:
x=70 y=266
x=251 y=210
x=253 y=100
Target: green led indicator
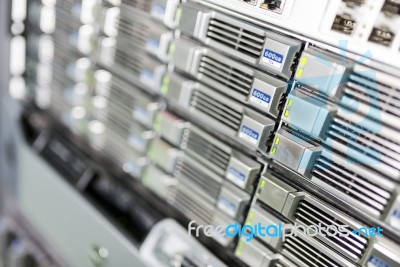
x=165 y=85
x=157 y=123
x=277 y=141
x=179 y=14
x=286 y=113
x=172 y=49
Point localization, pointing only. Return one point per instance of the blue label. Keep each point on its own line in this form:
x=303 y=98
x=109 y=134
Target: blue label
x=159 y=9
x=228 y=204
x=262 y=96
x=377 y=262
x=273 y=56
x=396 y=213
x=237 y=173
x=132 y=168
x=253 y=134
x=147 y=74
x=153 y=42
x=137 y=142
x=141 y=114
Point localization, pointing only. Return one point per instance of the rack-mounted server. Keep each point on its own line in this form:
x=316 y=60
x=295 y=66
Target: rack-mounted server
x=197 y=102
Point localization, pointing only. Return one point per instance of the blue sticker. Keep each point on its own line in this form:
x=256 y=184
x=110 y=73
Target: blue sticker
x=396 y=213
x=158 y=9
x=377 y=262
x=237 y=174
x=153 y=43
x=147 y=74
x=260 y=98
x=227 y=206
x=272 y=58
x=249 y=134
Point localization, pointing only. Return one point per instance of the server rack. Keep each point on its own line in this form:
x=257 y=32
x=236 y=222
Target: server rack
x=222 y=112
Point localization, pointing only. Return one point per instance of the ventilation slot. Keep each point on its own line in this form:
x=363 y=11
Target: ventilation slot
x=66 y=23
x=60 y=60
x=116 y=152
x=191 y=208
x=236 y=38
x=353 y=245
x=63 y=55
x=58 y=105
x=117 y=126
x=114 y=137
x=201 y=179
x=375 y=146
x=133 y=31
x=307 y=254
x=131 y=64
x=121 y=102
x=127 y=90
x=197 y=144
x=120 y=117
x=280 y=264
x=217 y=110
x=65 y=6
x=59 y=80
x=144 y=5
x=351 y=184
x=377 y=101
x=226 y=75
x=301 y=135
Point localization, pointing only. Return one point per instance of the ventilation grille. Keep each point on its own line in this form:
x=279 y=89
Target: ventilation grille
x=374 y=145
x=217 y=110
x=65 y=5
x=307 y=254
x=112 y=136
x=280 y=264
x=353 y=245
x=65 y=22
x=191 y=208
x=133 y=31
x=64 y=54
x=58 y=105
x=201 y=179
x=121 y=98
x=144 y=5
x=373 y=94
x=301 y=135
x=59 y=79
x=117 y=125
x=226 y=75
x=60 y=61
x=131 y=91
x=200 y=146
x=121 y=103
x=244 y=41
x=116 y=153
x=351 y=184
x=134 y=65
x=118 y=119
